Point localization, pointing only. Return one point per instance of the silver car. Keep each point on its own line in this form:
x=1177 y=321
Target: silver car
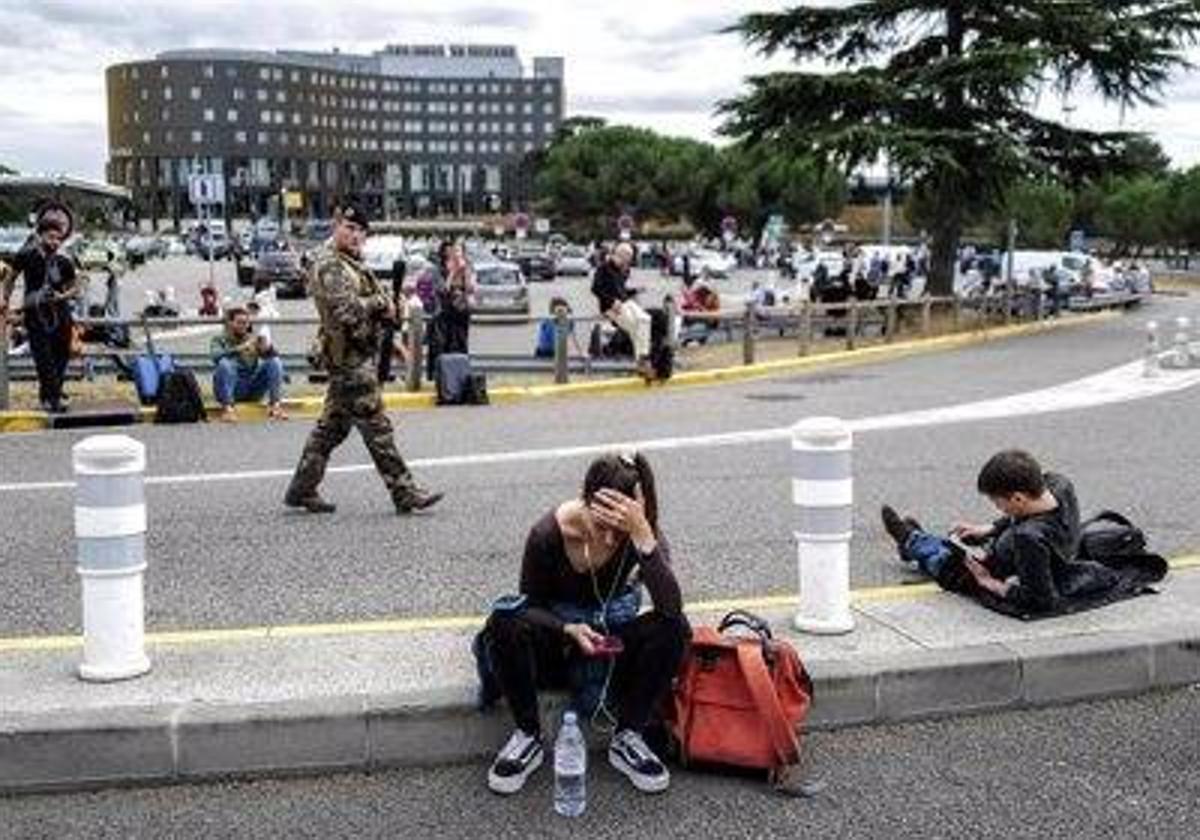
x=501 y=289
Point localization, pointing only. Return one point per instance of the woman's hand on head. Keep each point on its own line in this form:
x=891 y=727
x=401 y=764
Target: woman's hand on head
x=626 y=514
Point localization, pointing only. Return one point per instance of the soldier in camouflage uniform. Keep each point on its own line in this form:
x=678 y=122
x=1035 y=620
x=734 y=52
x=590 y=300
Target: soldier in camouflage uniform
x=353 y=307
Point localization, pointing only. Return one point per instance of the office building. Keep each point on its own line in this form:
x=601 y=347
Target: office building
x=415 y=130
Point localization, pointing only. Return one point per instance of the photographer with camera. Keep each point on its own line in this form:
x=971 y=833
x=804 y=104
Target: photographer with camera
x=579 y=603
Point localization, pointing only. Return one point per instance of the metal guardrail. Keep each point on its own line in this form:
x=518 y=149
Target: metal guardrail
x=850 y=319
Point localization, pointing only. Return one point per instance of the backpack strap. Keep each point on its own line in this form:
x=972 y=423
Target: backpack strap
x=762 y=689
x=1107 y=516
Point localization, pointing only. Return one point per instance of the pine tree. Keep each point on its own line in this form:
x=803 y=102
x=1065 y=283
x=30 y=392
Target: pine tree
x=949 y=91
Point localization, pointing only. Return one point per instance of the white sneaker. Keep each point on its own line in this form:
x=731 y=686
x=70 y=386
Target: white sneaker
x=629 y=754
x=515 y=762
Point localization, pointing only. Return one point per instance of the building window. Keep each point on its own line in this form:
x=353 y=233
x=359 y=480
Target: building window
x=167 y=93
x=264 y=73
x=195 y=93
x=295 y=118
x=547 y=88
x=231 y=72
x=548 y=127
x=468 y=88
x=547 y=108
x=279 y=117
x=238 y=94
x=197 y=136
x=262 y=95
x=169 y=136
x=294 y=76
x=262 y=138
x=468 y=107
x=264 y=117
x=164 y=72
x=510 y=108
x=146 y=137
x=133 y=72
x=208 y=71
x=165 y=115
x=239 y=137
x=231 y=115
x=528 y=146
x=527 y=108
x=527 y=128
x=209 y=116
x=469 y=146
x=280 y=96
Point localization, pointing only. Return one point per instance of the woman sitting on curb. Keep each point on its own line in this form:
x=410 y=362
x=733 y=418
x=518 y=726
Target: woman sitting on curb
x=574 y=593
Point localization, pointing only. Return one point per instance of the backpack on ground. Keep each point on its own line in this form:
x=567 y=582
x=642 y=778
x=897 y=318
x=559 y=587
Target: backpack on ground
x=477 y=393
x=1108 y=534
x=740 y=700
x=453 y=378
x=662 y=356
x=147 y=371
x=179 y=398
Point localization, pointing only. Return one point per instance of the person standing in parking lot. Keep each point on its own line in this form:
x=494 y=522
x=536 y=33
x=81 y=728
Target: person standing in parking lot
x=617 y=304
x=352 y=306
x=51 y=288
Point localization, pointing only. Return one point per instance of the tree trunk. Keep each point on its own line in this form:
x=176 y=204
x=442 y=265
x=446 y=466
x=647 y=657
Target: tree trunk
x=943 y=254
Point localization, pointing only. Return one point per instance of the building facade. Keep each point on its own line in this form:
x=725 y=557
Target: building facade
x=413 y=130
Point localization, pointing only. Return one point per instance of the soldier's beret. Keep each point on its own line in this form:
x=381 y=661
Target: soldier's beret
x=355 y=211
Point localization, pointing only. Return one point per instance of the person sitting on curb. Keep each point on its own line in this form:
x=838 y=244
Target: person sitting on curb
x=1027 y=565
x=575 y=596
x=246 y=367
x=615 y=302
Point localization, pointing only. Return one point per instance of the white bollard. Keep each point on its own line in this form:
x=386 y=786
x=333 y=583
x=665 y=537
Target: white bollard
x=823 y=491
x=1151 y=366
x=110 y=526
x=1183 y=343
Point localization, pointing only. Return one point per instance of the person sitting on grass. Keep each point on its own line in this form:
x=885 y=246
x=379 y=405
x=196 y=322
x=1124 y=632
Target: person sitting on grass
x=1025 y=563
x=246 y=367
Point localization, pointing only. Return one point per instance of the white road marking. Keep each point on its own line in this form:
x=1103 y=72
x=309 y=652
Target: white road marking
x=1116 y=385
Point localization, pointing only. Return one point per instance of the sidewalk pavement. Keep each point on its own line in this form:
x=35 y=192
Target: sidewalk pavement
x=313 y=699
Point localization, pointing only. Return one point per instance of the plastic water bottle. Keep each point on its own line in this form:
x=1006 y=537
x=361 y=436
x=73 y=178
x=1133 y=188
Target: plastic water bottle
x=570 y=768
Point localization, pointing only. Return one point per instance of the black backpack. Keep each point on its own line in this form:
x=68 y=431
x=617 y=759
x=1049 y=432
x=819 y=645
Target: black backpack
x=179 y=399
x=1108 y=534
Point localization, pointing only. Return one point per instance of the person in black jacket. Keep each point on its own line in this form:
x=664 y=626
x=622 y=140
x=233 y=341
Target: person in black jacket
x=615 y=301
x=1027 y=562
x=577 y=593
x=51 y=287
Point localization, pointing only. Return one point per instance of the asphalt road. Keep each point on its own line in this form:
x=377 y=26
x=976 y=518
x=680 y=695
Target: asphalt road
x=225 y=553
x=1119 y=769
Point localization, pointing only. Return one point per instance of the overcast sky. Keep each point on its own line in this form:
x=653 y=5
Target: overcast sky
x=659 y=64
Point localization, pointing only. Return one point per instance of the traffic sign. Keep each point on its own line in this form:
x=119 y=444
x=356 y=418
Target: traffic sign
x=206 y=189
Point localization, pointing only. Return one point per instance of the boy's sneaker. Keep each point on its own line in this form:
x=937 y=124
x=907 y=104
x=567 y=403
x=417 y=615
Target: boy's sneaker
x=629 y=754
x=515 y=762
x=898 y=529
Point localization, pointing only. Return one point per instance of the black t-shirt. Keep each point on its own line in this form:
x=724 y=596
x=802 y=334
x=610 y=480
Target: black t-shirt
x=1039 y=550
x=44 y=274
x=548 y=578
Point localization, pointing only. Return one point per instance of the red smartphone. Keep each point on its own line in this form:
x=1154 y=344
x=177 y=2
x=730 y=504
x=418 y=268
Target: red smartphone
x=608 y=646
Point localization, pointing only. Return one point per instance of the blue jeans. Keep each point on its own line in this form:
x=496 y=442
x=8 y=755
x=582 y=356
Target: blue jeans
x=235 y=383
x=928 y=551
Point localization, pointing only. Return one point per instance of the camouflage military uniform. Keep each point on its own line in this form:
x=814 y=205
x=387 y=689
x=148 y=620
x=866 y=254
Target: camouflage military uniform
x=352 y=305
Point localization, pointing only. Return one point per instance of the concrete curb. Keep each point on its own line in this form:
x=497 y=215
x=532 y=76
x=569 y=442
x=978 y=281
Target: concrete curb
x=194 y=741
x=310 y=407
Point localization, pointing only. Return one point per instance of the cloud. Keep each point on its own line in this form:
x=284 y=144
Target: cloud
x=671 y=102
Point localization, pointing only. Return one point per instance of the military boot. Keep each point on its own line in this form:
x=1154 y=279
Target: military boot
x=311 y=502
x=411 y=496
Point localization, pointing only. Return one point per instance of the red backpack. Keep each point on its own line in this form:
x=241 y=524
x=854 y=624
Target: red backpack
x=740 y=700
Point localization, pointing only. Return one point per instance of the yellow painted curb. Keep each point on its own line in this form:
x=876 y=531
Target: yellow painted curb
x=28 y=421
x=420 y=624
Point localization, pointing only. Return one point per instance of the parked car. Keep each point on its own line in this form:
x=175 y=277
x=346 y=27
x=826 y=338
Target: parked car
x=12 y=239
x=718 y=264
x=173 y=246
x=278 y=264
x=502 y=289
x=318 y=230
x=381 y=252
x=536 y=264
x=573 y=262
